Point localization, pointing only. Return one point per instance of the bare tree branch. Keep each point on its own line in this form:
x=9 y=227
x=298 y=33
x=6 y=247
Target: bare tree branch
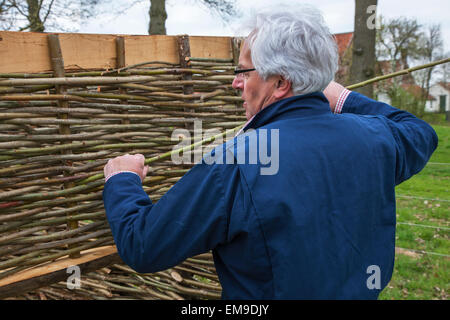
x=225 y=8
x=36 y=15
x=48 y=12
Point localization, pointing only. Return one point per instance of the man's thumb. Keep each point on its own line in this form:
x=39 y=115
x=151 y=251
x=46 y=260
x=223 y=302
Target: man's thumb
x=146 y=168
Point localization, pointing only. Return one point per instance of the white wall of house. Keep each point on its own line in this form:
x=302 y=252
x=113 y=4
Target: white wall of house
x=438 y=92
x=430 y=106
x=383 y=97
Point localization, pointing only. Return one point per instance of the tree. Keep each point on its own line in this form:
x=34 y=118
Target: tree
x=158 y=17
x=397 y=47
x=443 y=70
x=398 y=41
x=158 y=14
x=38 y=15
x=430 y=49
x=402 y=43
x=363 y=55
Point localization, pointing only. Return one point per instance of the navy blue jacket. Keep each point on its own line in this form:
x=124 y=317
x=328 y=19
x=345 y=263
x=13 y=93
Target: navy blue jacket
x=315 y=227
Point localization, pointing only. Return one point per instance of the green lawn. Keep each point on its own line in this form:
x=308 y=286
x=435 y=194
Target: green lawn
x=423 y=225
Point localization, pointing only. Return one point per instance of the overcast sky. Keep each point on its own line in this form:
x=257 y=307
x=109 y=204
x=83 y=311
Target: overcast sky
x=188 y=17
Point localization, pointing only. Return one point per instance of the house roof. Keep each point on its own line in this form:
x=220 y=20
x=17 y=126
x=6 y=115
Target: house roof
x=383 y=67
x=445 y=85
x=387 y=66
x=416 y=90
x=343 y=41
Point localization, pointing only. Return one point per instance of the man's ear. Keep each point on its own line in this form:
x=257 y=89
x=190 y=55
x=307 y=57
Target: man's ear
x=283 y=88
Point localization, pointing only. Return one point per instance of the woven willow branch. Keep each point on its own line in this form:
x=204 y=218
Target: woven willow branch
x=398 y=73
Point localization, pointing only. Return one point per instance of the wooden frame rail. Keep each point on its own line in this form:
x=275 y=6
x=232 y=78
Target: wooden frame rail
x=48 y=273
x=29 y=51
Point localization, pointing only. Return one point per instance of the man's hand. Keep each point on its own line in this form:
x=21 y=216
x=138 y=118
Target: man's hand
x=134 y=163
x=332 y=93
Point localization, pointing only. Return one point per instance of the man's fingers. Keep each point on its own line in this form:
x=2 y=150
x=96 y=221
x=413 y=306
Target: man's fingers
x=145 y=171
x=127 y=162
x=140 y=157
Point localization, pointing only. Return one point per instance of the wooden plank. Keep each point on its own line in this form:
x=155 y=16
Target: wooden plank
x=23 y=52
x=88 y=51
x=48 y=273
x=151 y=48
x=28 y=51
x=211 y=47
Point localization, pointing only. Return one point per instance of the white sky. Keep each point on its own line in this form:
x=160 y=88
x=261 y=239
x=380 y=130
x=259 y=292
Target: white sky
x=188 y=17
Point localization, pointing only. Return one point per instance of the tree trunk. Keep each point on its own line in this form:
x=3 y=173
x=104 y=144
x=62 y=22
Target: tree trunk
x=36 y=24
x=364 y=36
x=158 y=17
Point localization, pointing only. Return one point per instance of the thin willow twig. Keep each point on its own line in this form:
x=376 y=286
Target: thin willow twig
x=398 y=73
x=170 y=153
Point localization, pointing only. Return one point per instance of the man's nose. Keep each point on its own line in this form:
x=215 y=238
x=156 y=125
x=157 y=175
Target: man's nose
x=238 y=83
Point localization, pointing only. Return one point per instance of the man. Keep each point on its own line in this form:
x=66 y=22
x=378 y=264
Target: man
x=321 y=226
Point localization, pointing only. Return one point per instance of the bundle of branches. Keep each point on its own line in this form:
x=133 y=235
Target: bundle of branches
x=57 y=133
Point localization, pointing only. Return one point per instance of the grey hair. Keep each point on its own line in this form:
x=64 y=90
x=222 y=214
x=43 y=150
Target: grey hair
x=294 y=42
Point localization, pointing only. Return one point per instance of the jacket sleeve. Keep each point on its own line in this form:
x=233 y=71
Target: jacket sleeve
x=191 y=218
x=415 y=139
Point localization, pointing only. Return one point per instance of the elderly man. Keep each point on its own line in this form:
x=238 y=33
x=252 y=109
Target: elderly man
x=323 y=225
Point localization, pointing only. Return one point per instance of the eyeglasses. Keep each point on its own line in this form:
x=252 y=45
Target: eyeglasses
x=240 y=73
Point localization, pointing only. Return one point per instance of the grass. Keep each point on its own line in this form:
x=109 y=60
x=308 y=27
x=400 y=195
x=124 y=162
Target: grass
x=435 y=118
x=420 y=201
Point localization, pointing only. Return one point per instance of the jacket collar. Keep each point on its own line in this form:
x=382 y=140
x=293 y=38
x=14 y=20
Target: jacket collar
x=305 y=105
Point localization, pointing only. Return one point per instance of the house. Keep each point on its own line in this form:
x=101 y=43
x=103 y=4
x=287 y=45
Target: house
x=344 y=43
x=415 y=91
x=405 y=81
x=441 y=98
x=438 y=99
x=383 y=67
